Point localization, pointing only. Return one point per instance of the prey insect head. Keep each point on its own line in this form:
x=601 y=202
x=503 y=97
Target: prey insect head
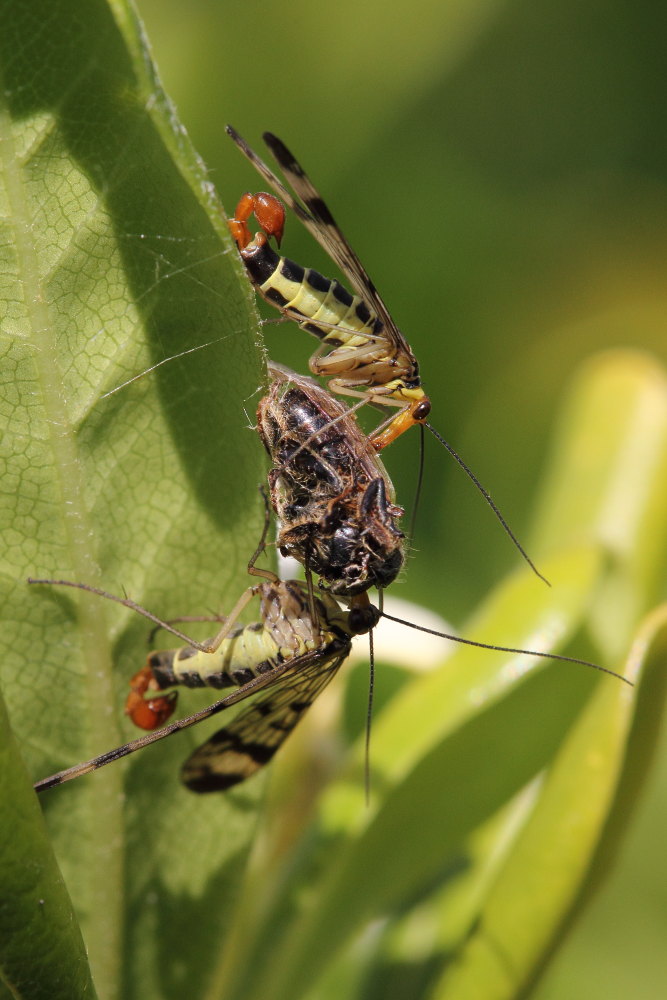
x=363 y=616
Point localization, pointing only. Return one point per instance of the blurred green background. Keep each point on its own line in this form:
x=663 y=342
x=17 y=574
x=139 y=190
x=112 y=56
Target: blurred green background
x=501 y=170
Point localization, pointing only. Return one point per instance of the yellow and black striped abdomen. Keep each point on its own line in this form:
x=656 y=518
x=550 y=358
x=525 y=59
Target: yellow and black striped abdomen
x=346 y=319
x=246 y=653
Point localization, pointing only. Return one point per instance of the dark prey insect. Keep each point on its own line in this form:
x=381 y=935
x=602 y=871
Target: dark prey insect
x=330 y=491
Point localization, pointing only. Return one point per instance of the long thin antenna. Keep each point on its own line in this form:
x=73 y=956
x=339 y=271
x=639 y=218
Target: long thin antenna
x=127 y=603
x=369 y=718
x=509 y=649
x=418 y=488
x=158 y=364
x=489 y=499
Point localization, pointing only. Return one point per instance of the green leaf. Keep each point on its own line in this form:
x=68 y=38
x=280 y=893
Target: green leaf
x=117 y=260
x=607 y=484
x=41 y=949
x=562 y=847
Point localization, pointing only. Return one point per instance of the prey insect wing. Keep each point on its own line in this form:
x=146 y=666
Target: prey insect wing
x=239 y=750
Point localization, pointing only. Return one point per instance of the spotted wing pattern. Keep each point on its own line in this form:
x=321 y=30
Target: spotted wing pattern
x=321 y=224
x=238 y=750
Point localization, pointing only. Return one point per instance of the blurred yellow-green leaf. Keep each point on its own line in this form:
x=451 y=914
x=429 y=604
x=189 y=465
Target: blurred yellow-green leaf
x=553 y=857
